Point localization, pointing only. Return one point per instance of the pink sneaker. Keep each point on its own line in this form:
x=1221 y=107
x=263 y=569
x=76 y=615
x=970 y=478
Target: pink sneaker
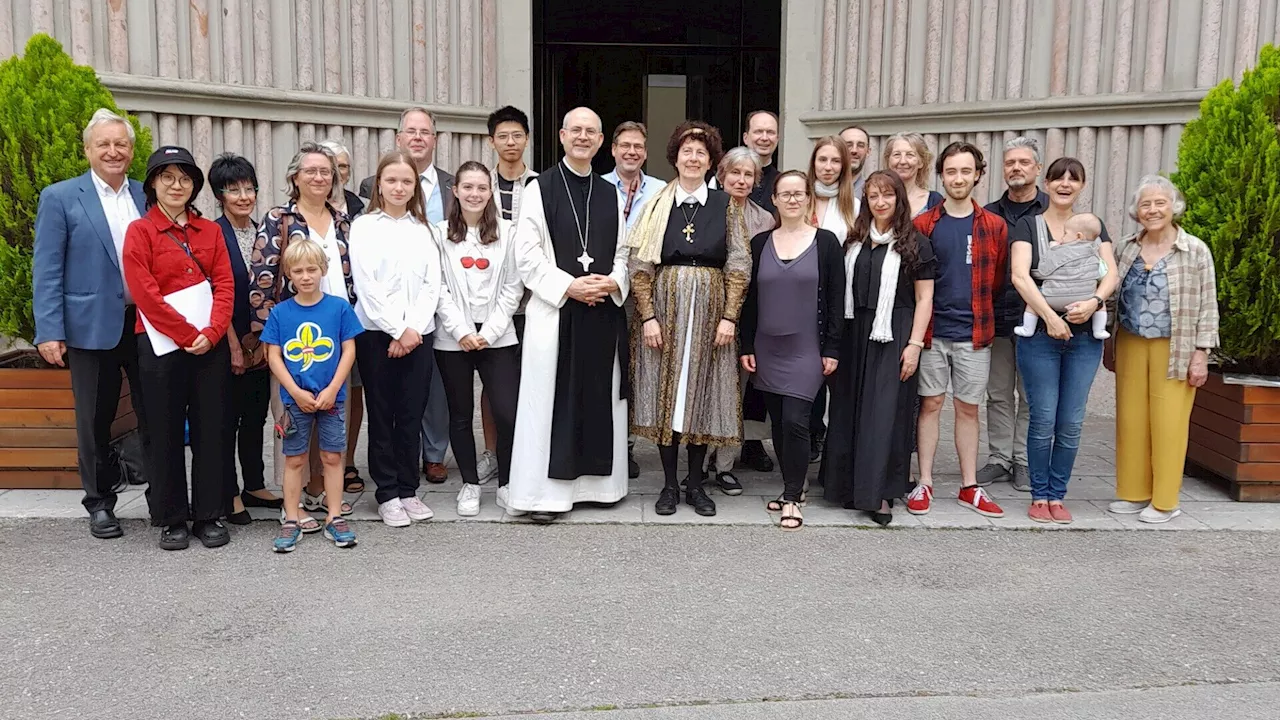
x=392 y=513
x=416 y=509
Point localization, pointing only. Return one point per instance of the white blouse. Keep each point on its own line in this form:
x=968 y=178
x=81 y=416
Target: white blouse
x=395 y=265
x=335 y=282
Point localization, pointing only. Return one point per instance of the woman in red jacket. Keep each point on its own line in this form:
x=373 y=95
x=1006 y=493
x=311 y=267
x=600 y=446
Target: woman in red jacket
x=178 y=271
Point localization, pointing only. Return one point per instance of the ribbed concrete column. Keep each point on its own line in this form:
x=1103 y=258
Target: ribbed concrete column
x=933 y=53
x=489 y=50
x=262 y=159
x=332 y=47
x=1210 y=32
x=81 y=48
x=232 y=72
x=418 y=52
x=167 y=39
x=444 y=148
x=852 y=46
x=386 y=74
x=1118 y=160
x=304 y=78
x=1246 y=37
x=827 y=74
x=898 y=53
x=117 y=36
x=6 y=28
x=875 y=50
x=959 y=52
x=467 y=72
x=361 y=154
x=41 y=18
x=1017 y=48
x=987 y=58
x=201 y=125
x=1153 y=77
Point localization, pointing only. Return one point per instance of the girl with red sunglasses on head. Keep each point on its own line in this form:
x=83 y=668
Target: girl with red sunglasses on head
x=395 y=266
x=478 y=335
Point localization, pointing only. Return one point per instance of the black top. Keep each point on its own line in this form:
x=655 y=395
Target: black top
x=831 y=284
x=355 y=205
x=240 y=312
x=867 y=270
x=506 y=193
x=762 y=195
x=1025 y=231
x=1008 y=304
x=708 y=244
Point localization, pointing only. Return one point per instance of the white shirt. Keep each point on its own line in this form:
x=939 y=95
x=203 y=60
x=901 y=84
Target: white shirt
x=428 y=178
x=478 y=284
x=395 y=264
x=120 y=209
x=335 y=282
x=699 y=196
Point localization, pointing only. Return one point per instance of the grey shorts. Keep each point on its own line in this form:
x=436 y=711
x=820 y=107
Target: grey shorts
x=957 y=364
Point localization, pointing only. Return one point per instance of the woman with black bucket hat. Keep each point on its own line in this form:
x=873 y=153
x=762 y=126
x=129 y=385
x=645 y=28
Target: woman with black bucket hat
x=178 y=270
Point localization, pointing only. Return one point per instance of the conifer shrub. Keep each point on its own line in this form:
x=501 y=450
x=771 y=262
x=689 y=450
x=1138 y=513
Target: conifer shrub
x=45 y=102
x=1229 y=171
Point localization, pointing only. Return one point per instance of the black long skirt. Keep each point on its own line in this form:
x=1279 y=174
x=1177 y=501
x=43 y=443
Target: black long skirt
x=871 y=433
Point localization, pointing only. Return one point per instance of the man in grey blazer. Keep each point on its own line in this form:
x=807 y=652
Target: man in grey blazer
x=84 y=313
x=417 y=136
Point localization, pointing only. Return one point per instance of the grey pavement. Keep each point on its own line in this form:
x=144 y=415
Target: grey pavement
x=475 y=620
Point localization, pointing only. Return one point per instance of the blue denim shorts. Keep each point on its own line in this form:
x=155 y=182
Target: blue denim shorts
x=328 y=423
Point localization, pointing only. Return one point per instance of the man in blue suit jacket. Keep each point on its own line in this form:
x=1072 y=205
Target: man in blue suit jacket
x=84 y=313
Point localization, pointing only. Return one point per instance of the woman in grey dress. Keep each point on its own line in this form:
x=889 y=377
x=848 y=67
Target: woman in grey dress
x=790 y=332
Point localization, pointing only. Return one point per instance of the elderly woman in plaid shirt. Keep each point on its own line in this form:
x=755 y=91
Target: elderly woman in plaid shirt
x=1165 y=323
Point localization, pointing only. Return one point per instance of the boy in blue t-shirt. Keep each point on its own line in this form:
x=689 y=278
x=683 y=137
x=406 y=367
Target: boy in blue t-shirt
x=311 y=347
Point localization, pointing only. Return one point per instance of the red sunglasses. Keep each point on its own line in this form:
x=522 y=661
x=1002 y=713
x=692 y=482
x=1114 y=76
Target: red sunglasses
x=479 y=263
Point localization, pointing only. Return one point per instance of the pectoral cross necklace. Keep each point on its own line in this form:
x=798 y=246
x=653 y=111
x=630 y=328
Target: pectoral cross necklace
x=585 y=259
x=688 y=221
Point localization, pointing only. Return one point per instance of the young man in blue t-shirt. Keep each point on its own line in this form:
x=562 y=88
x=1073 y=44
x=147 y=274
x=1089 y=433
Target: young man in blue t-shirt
x=311 y=347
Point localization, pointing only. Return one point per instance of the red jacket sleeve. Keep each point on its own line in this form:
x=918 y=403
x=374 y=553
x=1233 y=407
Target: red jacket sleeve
x=140 y=275
x=224 y=290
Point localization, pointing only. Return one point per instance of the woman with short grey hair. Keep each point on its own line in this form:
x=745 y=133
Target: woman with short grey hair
x=352 y=204
x=1164 y=324
x=312 y=211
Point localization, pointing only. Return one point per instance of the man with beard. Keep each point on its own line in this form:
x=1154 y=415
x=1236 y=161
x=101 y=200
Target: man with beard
x=1007 y=416
x=858 y=143
x=762 y=137
x=972 y=250
x=629 y=154
x=571 y=431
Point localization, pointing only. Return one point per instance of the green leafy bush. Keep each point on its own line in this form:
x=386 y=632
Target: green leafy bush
x=1229 y=170
x=45 y=102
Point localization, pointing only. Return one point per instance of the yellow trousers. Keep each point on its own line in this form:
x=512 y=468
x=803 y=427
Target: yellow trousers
x=1153 y=416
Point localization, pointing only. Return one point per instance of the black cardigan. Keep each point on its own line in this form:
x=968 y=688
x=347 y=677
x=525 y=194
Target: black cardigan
x=831 y=282
x=240 y=312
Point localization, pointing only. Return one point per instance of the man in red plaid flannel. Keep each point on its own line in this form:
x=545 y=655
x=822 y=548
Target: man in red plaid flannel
x=972 y=250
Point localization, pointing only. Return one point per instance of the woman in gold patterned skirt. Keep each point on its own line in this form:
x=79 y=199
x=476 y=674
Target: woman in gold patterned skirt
x=690 y=266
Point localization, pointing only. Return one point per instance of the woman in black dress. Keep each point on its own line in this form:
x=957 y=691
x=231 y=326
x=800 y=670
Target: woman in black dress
x=887 y=307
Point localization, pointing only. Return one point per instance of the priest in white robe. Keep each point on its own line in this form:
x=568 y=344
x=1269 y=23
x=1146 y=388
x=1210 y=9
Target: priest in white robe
x=571 y=425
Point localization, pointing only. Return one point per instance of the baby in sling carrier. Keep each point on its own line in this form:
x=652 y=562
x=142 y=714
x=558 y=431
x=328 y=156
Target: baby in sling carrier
x=1069 y=270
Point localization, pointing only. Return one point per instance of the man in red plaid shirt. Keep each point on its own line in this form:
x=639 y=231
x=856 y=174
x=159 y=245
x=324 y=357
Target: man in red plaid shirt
x=972 y=250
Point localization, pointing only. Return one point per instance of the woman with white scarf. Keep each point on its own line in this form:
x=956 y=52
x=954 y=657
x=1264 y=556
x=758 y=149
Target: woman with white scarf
x=888 y=301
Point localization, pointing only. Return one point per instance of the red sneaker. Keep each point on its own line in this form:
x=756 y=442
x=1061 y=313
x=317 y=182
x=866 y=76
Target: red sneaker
x=920 y=500
x=1060 y=513
x=975 y=498
x=1039 y=512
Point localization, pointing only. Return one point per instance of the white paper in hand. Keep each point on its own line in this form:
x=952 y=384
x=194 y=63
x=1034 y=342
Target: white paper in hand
x=194 y=303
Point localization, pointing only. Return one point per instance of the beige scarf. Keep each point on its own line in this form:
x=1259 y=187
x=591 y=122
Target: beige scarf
x=646 y=237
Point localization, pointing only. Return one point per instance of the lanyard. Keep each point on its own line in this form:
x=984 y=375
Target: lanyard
x=187 y=249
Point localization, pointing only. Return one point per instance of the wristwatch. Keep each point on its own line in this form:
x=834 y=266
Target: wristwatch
x=1101 y=303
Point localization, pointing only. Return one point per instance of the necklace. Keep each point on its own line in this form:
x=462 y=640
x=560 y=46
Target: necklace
x=585 y=259
x=688 y=221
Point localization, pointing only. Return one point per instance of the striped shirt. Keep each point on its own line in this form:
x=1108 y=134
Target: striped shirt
x=1193 y=296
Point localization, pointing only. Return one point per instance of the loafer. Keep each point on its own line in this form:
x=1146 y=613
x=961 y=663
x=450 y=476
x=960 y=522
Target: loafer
x=175 y=537
x=633 y=467
x=104 y=525
x=212 y=533
x=701 y=502
x=728 y=483
x=1021 y=479
x=436 y=472
x=249 y=500
x=241 y=518
x=993 y=473
x=668 y=499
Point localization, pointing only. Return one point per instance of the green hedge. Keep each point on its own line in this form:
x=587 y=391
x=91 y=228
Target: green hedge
x=47 y=101
x=1229 y=170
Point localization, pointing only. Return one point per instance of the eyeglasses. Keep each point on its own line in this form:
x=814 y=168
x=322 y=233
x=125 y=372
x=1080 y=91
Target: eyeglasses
x=629 y=147
x=182 y=181
x=587 y=132
x=240 y=192
x=418 y=133
x=797 y=196
x=509 y=137
x=478 y=263
x=320 y=172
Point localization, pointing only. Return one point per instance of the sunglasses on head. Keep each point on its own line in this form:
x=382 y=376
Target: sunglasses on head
x=478 y=263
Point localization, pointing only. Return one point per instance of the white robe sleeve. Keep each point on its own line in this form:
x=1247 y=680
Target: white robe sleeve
x=375 y=300
x=620 y=258
x=538 y=271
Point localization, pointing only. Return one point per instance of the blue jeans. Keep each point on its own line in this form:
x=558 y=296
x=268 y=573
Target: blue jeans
x=1056 y=375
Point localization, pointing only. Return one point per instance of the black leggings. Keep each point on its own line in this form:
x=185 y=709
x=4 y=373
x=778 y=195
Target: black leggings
x=790 y=419
x=499 y=370
x=670 y=455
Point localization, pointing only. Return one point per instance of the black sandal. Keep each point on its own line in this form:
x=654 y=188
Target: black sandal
x=354 y=484
x=778 y=504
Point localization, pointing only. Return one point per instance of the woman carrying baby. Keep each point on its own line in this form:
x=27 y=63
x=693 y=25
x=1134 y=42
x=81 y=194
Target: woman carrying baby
x=1056 y=265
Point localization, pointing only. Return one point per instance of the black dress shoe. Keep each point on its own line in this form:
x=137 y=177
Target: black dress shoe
x=543 y=517
x=728 y=483
x=241 y=518
x=104 y=525
x=175 y=537
x=668 y=499
x=881 y=519
x=251 y=500
x=212 y=533
x=701 y=502
x=633 y=467
x=754 y=457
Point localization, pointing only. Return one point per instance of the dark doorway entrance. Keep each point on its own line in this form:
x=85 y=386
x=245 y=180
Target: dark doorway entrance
x=656 y=61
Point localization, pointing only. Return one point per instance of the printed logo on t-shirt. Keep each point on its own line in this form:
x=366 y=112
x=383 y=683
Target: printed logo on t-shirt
x=968 y=250
x=308 y=346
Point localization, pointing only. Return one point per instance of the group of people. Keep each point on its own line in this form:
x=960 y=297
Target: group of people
x=828 y=310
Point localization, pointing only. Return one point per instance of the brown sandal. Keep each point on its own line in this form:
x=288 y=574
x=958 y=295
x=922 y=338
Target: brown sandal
x=791 y=520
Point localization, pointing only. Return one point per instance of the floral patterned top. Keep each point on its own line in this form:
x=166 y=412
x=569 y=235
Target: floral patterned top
x=1144 y=302
x=268 y=287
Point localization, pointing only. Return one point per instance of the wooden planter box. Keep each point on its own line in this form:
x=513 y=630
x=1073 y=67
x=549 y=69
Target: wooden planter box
x=38 y=428
x=1235 y=435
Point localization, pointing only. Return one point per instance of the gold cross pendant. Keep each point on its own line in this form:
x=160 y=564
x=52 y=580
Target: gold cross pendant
x=688 y=232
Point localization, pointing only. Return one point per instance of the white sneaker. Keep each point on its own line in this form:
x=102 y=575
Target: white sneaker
x=1126 y=507
x=416 y=509
x=393 y=514
x=486 y=467
x=504 y=502
x=469 y=500
x=1154 y=516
